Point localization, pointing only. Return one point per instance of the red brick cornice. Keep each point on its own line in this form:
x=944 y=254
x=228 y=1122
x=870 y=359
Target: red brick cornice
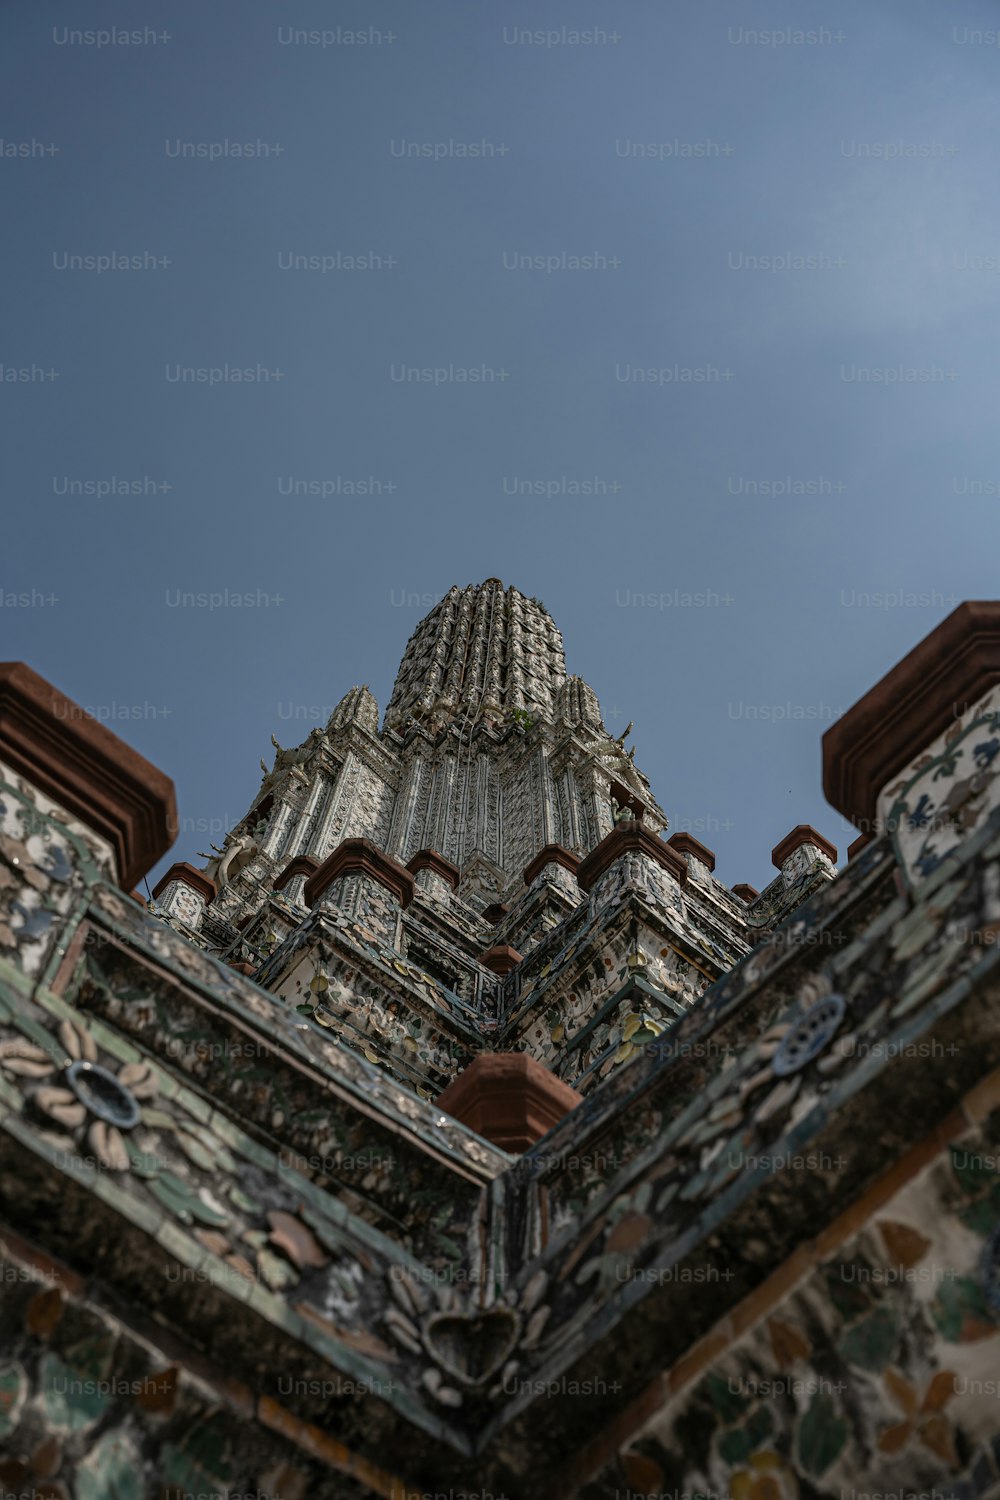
x=684 y=843
x=746 y=892
x=508 y=1098
x=66 y=753
x=188 y=875
x=430 y=859
x=552 y=854
x=629 y=838
x=302 y=864
x=911 y=705
x=360 y=857
x=801 y=834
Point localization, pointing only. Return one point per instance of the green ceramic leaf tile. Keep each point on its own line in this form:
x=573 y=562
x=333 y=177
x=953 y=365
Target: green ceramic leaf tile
x=72 y=1401
x=760 y=1426
x=92 y=1357
x=735 y=1447
x=872 y=1342
x=144 y=1163
x=821 y=1436
x=847 y=1293
x=243 y=1201
x=971 y=1172
x=112 y=1470
x=728 y=1403
x=981 y=1218
x=960 y=1310
x=173 y=1195
x=195 y=1150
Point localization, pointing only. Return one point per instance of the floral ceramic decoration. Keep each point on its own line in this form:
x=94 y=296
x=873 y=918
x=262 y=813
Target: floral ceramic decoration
x=955 y=788
x=43 y=870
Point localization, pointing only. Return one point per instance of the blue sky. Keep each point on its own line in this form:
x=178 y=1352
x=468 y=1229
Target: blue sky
x=735 y=268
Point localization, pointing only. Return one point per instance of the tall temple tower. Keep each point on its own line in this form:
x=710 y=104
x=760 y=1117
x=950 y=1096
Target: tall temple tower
x=467 y=846
x=455 y=1131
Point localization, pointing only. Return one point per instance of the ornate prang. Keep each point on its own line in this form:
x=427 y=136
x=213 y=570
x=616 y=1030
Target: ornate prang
x=548 y=1134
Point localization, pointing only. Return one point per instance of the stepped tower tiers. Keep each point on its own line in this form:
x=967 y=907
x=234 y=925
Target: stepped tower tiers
x=299 y=1197
x=489 y=871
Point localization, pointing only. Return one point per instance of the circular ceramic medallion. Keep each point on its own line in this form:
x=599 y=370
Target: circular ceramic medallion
x=103 y=1095
x=809 y=1035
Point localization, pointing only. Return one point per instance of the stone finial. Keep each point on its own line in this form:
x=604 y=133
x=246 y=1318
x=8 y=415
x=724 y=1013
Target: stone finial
x=356 y=707
x=552 y=854
x=919 y=754
x=509 y=1099
x=93 y=775
x=294 y=878
x=184 y=892
x=360 y=857
x=629 y=838
x=928 y=693
x=431 y=860
x=577 y=703
x=187 y=875
x=800 y=851
x=685 y=843
x=302 y=864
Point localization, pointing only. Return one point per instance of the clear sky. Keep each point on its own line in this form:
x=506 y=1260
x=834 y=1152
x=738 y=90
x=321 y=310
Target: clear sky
x=734 y=267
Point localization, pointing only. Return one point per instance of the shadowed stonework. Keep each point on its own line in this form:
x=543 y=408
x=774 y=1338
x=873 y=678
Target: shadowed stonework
x=455 y=1131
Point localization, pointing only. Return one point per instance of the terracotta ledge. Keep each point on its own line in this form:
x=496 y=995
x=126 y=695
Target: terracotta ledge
x=801 y=834
x=430 y=859
x=861 y=842
x=746 y=892
x=501 y=958
x=684 y=843
x=360 y=857
x=137 y=897
x=629 y=838
x=906 y=711
x=495 y=912
x=552 y=854
x=188 y=875
x=508 y=1098
x=95 y=776
x=302 y=864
